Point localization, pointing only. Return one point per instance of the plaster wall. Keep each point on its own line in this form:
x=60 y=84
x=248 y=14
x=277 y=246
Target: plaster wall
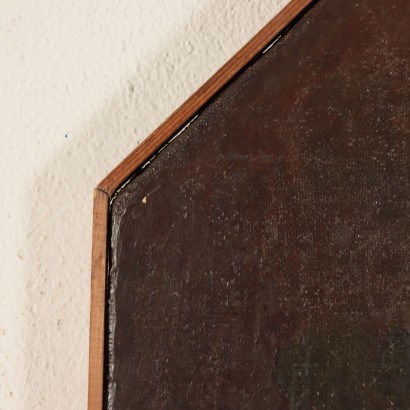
x=81 y=84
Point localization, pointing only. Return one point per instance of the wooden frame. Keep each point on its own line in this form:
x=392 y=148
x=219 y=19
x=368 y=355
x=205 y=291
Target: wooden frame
x=114 y=180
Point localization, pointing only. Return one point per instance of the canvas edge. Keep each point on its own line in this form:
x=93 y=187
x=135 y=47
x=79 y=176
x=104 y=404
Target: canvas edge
x=190 y=107
x=109 y=185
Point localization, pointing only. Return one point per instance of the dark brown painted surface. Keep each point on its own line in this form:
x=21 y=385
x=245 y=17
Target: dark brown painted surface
x=262 y=260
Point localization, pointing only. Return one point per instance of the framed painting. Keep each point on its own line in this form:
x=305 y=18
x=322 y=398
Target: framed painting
x=253 y=252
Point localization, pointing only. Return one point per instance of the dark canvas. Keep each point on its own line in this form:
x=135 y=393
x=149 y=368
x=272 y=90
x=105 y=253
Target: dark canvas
x=261 y=260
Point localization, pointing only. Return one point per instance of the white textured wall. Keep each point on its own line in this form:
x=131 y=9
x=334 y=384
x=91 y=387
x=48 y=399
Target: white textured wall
x=81 y=83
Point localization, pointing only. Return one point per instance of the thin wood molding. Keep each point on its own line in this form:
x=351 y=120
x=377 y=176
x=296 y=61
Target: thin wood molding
x=188 y=109
x=98 y=286
x=109 y=185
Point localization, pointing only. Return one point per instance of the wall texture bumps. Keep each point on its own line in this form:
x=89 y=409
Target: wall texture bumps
x=81 y=84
